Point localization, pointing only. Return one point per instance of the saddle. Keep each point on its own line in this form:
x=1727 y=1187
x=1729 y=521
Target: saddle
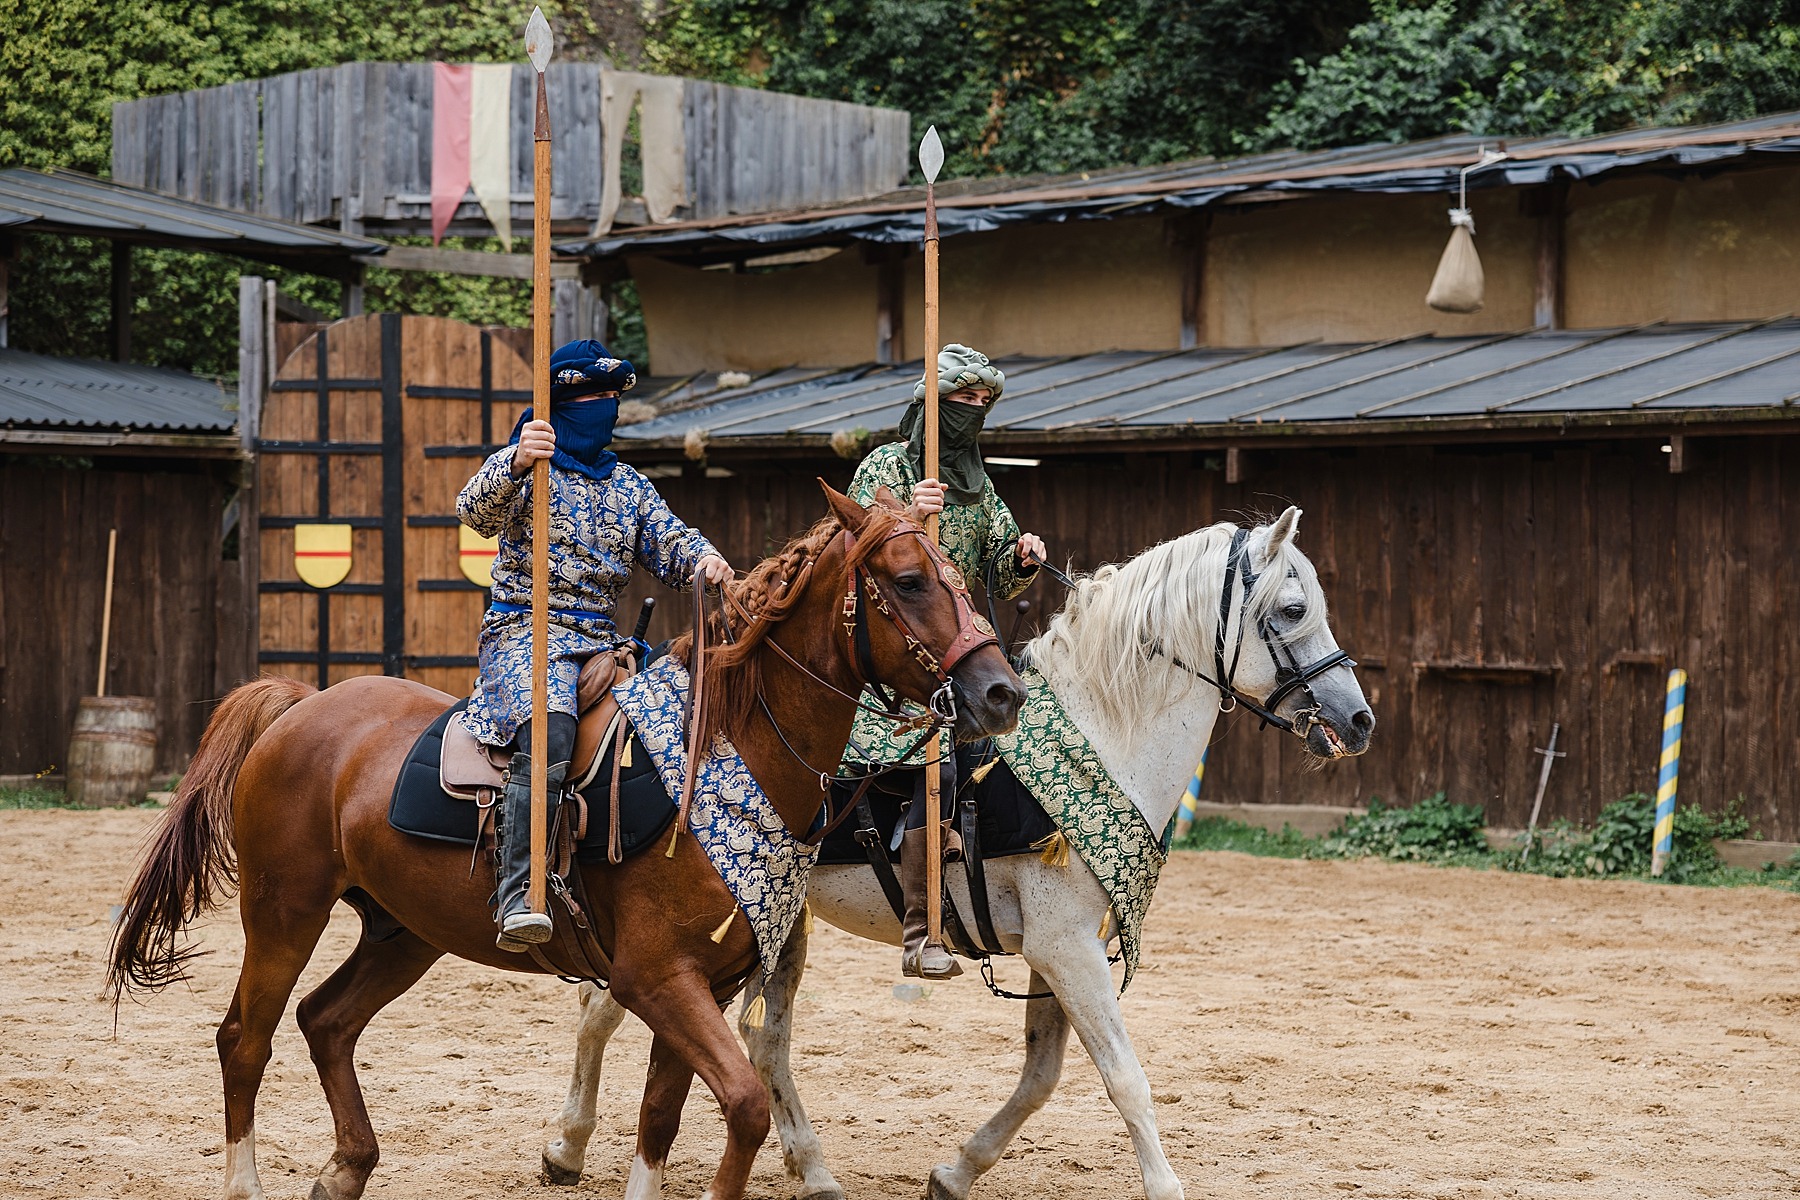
x=470 y=770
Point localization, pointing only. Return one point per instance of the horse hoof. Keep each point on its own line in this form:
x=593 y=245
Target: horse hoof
x=937 y=1189
x=559 y=1176
x=829 y=1192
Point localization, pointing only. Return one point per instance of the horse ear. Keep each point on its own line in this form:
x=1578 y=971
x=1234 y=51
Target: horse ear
x=886 y=498
x=1280 y=533
x=850 y=514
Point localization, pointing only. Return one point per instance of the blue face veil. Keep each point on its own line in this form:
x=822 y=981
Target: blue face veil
x=584 y=421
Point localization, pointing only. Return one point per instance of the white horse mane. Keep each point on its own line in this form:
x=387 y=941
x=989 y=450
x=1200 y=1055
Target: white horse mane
x=1167 y=596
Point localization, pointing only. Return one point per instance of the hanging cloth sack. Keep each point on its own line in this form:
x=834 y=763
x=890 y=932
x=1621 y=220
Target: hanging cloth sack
x=1459 y=284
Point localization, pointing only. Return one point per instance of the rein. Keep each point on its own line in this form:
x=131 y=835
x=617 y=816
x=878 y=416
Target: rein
x=1290 y=676
x=972 y=634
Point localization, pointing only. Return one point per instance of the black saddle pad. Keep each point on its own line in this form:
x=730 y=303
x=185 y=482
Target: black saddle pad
x=420 y=806
x=1009 y=816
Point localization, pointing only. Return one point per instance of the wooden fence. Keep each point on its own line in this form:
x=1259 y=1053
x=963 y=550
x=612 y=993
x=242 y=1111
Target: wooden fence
x=179 y=607
x=351 y=146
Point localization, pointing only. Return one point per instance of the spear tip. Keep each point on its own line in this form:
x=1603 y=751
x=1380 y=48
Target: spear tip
x=931 y=155
x=539 y=42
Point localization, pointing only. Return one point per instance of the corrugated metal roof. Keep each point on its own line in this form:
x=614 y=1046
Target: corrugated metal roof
x=1159 y=394
x=72 y=203
x=1427 y=166
x=37 y=390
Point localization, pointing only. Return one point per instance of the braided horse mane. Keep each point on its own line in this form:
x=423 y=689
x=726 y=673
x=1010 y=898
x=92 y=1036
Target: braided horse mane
x=769 y=593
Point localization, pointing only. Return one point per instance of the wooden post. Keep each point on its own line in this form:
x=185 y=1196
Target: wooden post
x=121 y=301
x=1547 y=298
x=931 y=160
x=538 y=48
x=7 y=249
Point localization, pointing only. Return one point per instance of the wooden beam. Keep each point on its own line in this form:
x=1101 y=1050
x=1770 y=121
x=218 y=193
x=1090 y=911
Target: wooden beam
x=9 y=249
x=1238 y=466
x=253 y=358
x=1187 y=236
x=1547 y=297
x=464 y=262
x=176 y=445
x=1678 y=454
x=121 y=301
x=890 y=310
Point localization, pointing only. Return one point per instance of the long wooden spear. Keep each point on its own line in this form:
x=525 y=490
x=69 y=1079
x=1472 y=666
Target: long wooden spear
x=931 y=161
x=538 y=46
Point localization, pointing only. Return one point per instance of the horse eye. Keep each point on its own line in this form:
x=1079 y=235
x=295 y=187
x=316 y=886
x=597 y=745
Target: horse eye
x=910 y=582
x=1294 y=612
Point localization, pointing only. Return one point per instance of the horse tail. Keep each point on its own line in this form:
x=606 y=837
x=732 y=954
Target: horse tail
x=190 y=863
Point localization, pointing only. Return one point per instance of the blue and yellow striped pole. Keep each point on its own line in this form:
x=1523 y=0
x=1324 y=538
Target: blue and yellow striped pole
x=1184 y=816
x=1674 y=710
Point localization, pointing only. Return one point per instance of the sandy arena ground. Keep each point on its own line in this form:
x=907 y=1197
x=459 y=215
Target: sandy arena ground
x=1310 y=1029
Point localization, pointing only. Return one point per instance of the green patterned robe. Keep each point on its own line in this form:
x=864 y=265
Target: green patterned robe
x=970 y=534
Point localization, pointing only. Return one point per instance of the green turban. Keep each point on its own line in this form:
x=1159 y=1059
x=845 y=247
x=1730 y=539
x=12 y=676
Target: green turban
x=959 y=425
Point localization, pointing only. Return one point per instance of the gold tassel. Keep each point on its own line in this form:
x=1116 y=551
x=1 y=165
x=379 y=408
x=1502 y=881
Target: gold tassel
x=673 y=834
x=1055 y=848
x=718 y=935
x=806 y=919
x=756 y=1012
x=625 y=754
x=1105 y=920
x=980 y=773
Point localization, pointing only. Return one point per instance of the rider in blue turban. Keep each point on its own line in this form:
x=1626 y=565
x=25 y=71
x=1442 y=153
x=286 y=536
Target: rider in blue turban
x=604 y=518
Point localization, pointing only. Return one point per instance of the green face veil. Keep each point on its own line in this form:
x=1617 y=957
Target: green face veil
x=959 y=425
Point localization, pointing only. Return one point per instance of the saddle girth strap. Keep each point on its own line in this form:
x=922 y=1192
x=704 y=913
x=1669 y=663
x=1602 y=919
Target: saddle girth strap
x=969 y=825
x=870 y=839
x=615 y=853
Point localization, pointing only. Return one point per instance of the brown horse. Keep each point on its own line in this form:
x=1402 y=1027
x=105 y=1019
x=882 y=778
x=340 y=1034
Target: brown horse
x=289 y=792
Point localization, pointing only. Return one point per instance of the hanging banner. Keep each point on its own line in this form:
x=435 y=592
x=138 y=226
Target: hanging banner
x=490 y=145
x=449 y=143
x=322 y=554
x=476 y=555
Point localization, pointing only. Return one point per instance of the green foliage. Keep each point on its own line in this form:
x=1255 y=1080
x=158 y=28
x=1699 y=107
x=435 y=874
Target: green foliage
x=1017 y=86
x=1503 y=68
x=32 y=795
x=1623 y=838
x=63 y=64
x=1433 y=830
x=1218 y=833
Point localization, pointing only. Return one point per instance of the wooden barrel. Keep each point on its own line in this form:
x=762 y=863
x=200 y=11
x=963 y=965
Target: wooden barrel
x=112 y=751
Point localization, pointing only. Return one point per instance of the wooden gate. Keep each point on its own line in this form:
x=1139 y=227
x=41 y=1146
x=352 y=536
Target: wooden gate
x=370 y=429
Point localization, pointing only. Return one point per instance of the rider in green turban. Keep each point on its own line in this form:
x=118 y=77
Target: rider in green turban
x=974 y=526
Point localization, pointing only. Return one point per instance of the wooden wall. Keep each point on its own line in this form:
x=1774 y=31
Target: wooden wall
x=1586 y=559
x=178 y=607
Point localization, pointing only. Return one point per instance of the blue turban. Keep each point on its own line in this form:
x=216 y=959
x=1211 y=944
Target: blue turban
x=578 y=370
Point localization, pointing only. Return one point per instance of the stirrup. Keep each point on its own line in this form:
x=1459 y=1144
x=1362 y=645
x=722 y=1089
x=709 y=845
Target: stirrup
x=522 y=929
x=912 y=965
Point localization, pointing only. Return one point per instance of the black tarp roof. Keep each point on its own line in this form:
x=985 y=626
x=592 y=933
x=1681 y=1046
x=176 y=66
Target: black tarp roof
x=38 y=391
x=68 y=202
x=1428 y=166
x=1541 y=377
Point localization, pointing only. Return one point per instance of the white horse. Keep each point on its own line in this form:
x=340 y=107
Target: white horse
x=1129 y=657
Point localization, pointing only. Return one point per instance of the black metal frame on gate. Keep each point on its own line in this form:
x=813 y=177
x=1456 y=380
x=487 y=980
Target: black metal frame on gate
x=391 y=448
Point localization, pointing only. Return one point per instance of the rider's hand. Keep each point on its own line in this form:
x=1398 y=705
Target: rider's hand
x=927 y=498
x=713 y=569
x=1031 y=546
x=536 y=441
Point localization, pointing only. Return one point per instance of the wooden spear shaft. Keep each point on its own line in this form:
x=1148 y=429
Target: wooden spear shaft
x=930 y=159
x=537 y=46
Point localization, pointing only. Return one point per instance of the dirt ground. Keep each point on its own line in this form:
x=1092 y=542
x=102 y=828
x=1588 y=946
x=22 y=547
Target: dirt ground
x=1309 y=1029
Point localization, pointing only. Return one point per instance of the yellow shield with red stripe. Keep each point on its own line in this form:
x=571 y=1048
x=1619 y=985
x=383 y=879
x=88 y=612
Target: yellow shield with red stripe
x=476 y=555
x=322 y=554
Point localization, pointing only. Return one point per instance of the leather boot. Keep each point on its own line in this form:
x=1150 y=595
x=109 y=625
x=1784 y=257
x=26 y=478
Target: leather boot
x=916 y=958
x=519 y=926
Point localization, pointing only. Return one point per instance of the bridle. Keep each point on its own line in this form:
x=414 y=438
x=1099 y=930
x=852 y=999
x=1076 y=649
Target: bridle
x=861 y=592
x=1290 y=676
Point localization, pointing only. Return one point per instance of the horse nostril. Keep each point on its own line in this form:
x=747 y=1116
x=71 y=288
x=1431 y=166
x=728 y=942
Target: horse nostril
x=1364 y=721
x=1004 y=696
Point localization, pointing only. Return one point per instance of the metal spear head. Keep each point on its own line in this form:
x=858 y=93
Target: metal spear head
x=540 y=43
x=931 y=155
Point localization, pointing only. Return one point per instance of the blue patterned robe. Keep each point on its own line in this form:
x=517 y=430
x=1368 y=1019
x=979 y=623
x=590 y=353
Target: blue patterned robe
x=598 y=528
